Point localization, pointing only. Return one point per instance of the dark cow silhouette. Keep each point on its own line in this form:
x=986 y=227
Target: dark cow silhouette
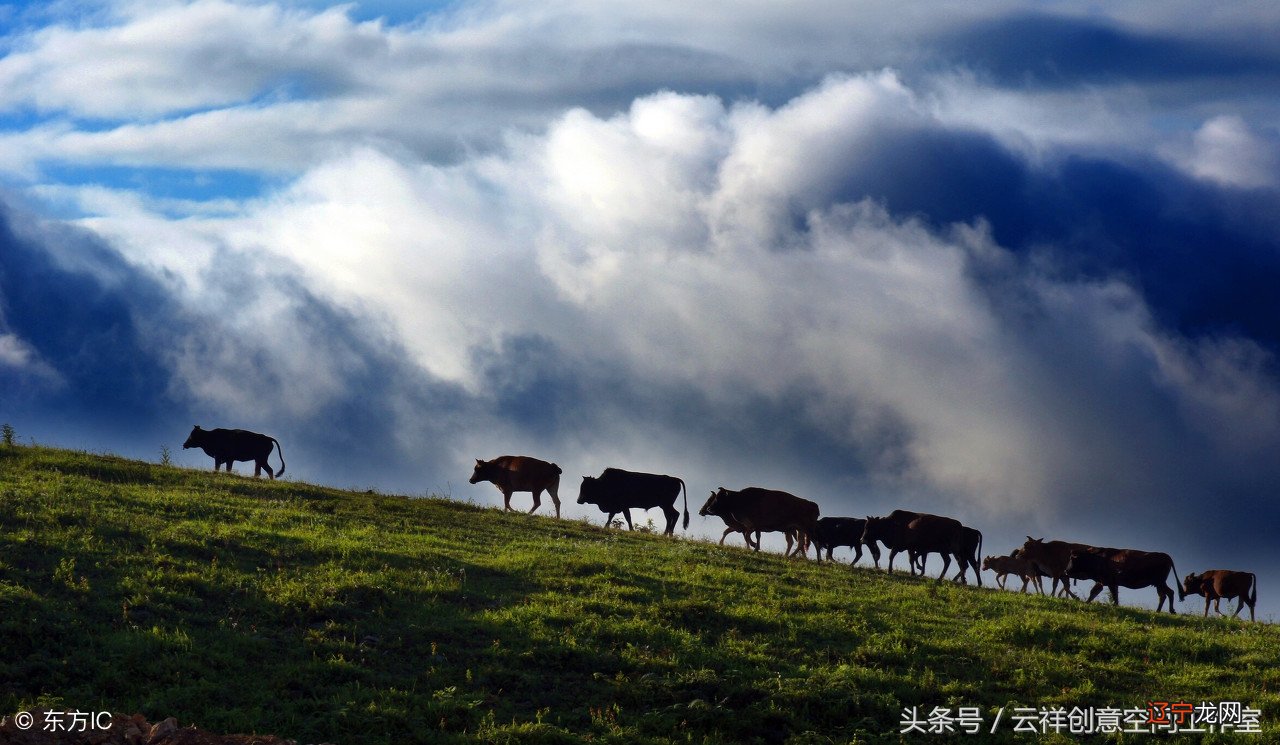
x=758 y=509
x=831 y=532
x=1128 y=568
x=1003 y=566
x=513 y=473
x=1220 y=584
x=920 y=534
x=230 y=445
x=616 y=490
x=1050 y=558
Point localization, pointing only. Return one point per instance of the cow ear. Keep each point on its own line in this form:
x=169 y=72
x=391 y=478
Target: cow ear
x=478 y=461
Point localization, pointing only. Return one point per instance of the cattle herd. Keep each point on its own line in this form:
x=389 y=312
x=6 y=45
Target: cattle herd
x=754 y=510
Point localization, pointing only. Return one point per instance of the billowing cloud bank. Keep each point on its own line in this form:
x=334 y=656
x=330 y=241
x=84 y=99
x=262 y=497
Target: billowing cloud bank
x=905 y=280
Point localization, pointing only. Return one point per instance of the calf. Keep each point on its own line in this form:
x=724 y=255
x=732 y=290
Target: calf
x=1219 y=584
x=1003 y=566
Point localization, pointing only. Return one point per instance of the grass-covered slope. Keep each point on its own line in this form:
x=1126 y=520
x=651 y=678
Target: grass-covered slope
x=325 y=615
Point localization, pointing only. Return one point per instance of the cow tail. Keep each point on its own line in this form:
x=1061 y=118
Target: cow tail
x=279 y=452
x=1253 y=592
x=686 y=503
x=1177 y=581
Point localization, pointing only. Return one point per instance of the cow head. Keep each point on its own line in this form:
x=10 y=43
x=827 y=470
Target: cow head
x=711 y=508
x=1193 y=584
x=194 y=439
x=587 y=493
x=875 y=529
x=986 y=563
x=481 y=473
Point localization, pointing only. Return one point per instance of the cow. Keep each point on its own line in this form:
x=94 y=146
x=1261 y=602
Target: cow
x=920 y=534
x=831 y=532
x=1220 y=584
x=616 y=490
x=1050 y=558
x=1126 y=568
x=513 y=473
x=230 y=445
x=758 y=509
x=1003 y=566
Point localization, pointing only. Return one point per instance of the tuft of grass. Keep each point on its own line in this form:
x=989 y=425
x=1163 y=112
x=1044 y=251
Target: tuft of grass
x=318 y=614
x=7 y=434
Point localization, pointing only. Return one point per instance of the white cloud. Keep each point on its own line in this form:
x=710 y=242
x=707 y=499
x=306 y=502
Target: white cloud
x=1226 y=150
x=699 y=245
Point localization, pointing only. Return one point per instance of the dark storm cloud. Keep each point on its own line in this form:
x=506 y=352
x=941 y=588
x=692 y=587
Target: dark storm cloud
x=1206 y=257
x=1047 y=50
x=76 y=311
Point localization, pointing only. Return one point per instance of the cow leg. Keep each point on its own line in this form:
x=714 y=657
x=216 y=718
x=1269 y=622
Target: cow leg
x=790 y=540
x=963 y=574
x=1239 y=608
x=537 y=501
x=725 y=535
x=608 y=520
x=506 y=500
x=217 y=464
x=946 y=564
x=747 y=535
x=1000 y=580
x=229 y=465
x=626 y=515
x=1206 y=606
x=1097 y=589
x=857 y=553
x=554 y=491
x=673 y=515
x=892 y=553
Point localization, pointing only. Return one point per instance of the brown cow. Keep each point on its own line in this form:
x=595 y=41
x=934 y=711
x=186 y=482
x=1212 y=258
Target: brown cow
x=513 y=473
x=921 y=534
x=1050 y=558
x=1219 y=584
x=1003 y=566
x=768 y=510
x=1126 y=568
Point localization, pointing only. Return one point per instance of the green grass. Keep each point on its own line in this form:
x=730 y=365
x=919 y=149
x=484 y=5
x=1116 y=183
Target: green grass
x=327 y=615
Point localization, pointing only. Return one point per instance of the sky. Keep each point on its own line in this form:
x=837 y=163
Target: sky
x=1009 y=262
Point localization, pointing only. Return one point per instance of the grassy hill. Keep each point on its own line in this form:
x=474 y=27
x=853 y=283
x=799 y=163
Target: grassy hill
x=327 y=615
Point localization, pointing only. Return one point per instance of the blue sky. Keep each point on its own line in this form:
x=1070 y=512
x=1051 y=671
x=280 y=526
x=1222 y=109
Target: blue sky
x=1010 y=262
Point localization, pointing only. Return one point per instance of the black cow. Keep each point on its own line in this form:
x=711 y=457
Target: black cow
x=768 y=510
x=831 y=532
x=230 y=445
x=616 y=490
x=921 y=534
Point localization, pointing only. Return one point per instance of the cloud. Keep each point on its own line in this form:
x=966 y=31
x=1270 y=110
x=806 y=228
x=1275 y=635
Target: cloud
x=946 y=260
x=1225 y=150
x=737 y=279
